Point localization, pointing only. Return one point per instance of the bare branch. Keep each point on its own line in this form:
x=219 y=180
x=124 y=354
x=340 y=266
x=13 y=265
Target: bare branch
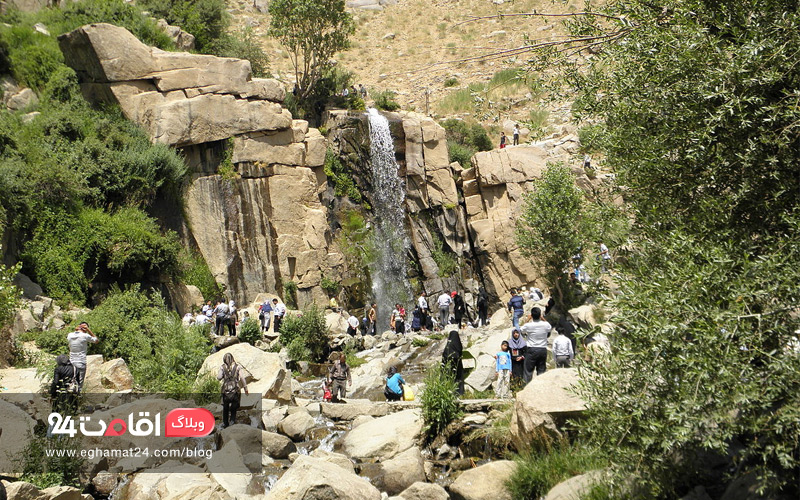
x=537 y=14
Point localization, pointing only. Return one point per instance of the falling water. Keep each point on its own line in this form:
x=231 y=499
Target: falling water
x=389 y=283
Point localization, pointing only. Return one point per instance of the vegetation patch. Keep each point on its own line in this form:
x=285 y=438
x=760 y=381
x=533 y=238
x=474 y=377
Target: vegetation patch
x=439 y=400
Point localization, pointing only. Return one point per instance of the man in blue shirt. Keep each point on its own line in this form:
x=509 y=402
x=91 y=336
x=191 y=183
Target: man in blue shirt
x=516 y=304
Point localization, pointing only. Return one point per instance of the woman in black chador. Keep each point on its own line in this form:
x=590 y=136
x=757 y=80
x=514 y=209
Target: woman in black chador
x=451 y=359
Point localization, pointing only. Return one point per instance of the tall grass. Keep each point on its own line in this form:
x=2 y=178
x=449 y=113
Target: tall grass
x=539 y=470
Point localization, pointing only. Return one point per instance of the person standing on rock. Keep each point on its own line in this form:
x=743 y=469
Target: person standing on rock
x=372 y=316
x=516 y=306
x=265 y=315
x=230 y=373
x=535 y=332
x=503 y=368
x=78 y=347
x=394 y=385
x=444 y=302
x=221 y=313
x=352 y=326
x=422 y=303
x=459 y=308
x=517 y=345
x=417 y=321
x=483 y=306
x=207 y=307
x=339 y=378
x=605 y=257
x=279 y=311
x=502 y=140
x=562 y=351
x=62 y=389
x=233 y=318
x=398 y=319
x=516 y=134
x=451 y=359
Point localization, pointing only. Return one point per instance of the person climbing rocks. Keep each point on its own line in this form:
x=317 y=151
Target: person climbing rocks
x=483 y=306
x=339 y=378
x=352 y=326
x=422 y=303
x=278 y=312
x=535 y=332
x=516 y=306
x=517 y=346
x=516 y=134
x=78 y=347
x=394 y=385
x=451 y=359
x=459 y=307
x=605 y=257
x=444 y=302
x=565 y=327
x=265 y=315
x=502 y=140
x=230 y=373
x=503 y=369
x=63 y=389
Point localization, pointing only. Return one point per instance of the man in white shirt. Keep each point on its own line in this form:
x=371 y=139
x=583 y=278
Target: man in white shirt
x=352 y=325
x=605 y=256
x=78 y=346
x=562 y=351
x=279 y=311
x=535 y=332
x=444 y=301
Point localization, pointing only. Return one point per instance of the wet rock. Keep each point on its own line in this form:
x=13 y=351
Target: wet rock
x=296 y=425
x=277 y=445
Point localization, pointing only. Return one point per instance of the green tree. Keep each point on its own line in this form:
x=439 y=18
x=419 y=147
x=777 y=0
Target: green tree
x=549 y=230
x=696 y=102
x=9 y=293
x=313 y=31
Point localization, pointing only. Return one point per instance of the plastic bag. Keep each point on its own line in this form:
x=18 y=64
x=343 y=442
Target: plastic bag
x=408 y=394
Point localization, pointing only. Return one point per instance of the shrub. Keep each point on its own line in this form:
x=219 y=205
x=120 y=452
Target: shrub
x=445 y=261
x=305 y=335
x=341 y=177
x=43 y=470
x=461 y=154
x=9 y=294
x=243 y=44
x=207 y=20
x=290 y=294
x=439 y=400
x=195 y=271
x=250 y=331
x=419 y=342
x=538 y=471
x=451 y=82
x=330 y=286
x=384 y=99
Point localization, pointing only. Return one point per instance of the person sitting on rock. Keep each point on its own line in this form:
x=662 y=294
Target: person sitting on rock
x=339 y=378
x=230 y=373
x=394 y=385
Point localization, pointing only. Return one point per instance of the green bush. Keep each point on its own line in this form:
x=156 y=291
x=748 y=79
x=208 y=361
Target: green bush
x=384 y=99
x=44 y=471
x=445 y=261
x=461 y=154
x=305 y=335
x=419 y=342
x=538 y=471
x=451 y=82
x=464 y=140
x=66 y=254
x=250 y=331
x=243 y=45
x=439 y=400
x=330 y=286
x=290 y=294
x=195 y=271
x=207 y=20
x=341 y=177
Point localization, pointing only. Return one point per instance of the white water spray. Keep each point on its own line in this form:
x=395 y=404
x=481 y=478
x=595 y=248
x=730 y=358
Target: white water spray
x=389 y=282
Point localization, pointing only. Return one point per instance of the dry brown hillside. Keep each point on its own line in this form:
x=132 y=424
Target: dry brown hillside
x=419 y=46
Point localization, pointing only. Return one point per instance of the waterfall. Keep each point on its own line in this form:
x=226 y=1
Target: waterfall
x=389 y=282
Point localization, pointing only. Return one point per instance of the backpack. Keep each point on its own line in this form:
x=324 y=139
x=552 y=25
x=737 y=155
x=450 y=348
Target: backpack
x=72 y=386
x=230 y=383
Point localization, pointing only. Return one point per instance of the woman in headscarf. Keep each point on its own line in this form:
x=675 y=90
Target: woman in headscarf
x=394 y=385
x=233 y=381
x=451 y=359
x=517 y=346
x=63 y=380
x=483 y=306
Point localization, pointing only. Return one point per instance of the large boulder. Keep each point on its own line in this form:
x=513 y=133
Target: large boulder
x=315 y=479
x=353 y=409
x=424 y=491
x=265 y=373
x=296 y=425
x=20 y=380
x=553 y=393
x=575 y=487
x=486 y=482
x=174 y=482
x=17 y=427
x=334 y=458
x=398 y=473
x=583 y=316
x=384 y=437
x=276 y=445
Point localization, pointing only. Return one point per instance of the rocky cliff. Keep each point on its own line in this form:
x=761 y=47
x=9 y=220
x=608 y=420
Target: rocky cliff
x=258 y=206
